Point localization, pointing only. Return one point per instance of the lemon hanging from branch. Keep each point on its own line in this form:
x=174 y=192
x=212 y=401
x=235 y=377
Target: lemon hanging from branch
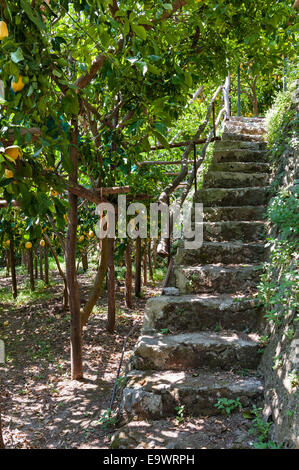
x=19 y=85
x=3 y=30
x=13 y=152
x=28 y=245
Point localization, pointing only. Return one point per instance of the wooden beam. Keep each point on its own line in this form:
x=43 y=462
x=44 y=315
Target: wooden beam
x=182 y=144
x=157 y=162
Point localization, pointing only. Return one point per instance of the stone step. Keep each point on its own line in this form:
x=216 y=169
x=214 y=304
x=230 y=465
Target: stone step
x=239 y=145
x=222 y=252
x=217 y=214
x=249 y=231
x=240 y=155
x=244 y=128
x=242 y=167
x=202 y=312
x=154 y=395
x=242 y=136
x=225 y=350
x=234 y=179
x=220 y=197
x=213 y=278
x=217 y=432
x=257 y=119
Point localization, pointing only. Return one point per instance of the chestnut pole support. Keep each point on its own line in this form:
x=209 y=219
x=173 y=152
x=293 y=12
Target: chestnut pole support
x=128 y=293
x=13 y=269
x=226 y=91
x=41 y=270
x=70 y=255
x=46 y=264
x=30 y=265
x=111 y=286
x=145 y=264
x=138 y=267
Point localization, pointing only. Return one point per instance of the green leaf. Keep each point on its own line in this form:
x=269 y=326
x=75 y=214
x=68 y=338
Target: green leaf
x=167 y=6
x=17 y=56
x=35 y=18
x=139 y=31
x=160 y=138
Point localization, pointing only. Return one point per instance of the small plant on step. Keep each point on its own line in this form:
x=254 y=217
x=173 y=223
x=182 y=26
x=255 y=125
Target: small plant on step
x=227 y=405
x=180 y=413
x=261 y=430
x=108 y=419
x=164 y=331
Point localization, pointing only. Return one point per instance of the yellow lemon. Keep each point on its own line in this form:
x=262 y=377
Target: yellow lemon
x=3 y=30
x=42 y=243
x=81 y=238
x=8 y=174
x=19 y=85
x=28 y=245
x=91 y=234
x=7 y=243
x=53 y=193
x=5 y=323
x=13 y=151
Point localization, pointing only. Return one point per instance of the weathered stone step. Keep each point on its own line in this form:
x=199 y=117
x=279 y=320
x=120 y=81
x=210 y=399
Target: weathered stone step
x=153 y=395
x=239 y=155
x=242 y=167
x=244 y=128
x=257 y=119
x=217 y=432
x=234 y=179
x=239 y=145
x=250 y=231
x=217 y=214
x=225 y=350
x=222 y=252
x=242 y=136
x=202 y=312
x=213 y=278
x=213 y=197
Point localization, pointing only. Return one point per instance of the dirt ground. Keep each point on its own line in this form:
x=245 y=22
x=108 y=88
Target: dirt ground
x=41 y=406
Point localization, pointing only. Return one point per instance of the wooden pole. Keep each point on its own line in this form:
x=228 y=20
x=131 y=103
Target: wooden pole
x=150 y=266
x=31 y=272
x=138 y=267
x=46 y=264
x=13 y=270
x=145 y=264
x=35 y=264
x=70 y=252
x=128 y=281
x=111 y=286
x=41 y=271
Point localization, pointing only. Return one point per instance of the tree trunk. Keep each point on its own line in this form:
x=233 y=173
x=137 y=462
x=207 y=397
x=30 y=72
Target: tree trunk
x=98 y=282
x=138 y=267
x=35 y=264
x=155 y=253
x=145 y=264
x=2 y=446
x=150 y=266
x=46 y=265
x=7 y=252
x=111 y=286
x=41 y=270
x=65 y=293
x=30 y=265
x=84 y=261
x=71 y=274
x=128 y=293
x=13 y=270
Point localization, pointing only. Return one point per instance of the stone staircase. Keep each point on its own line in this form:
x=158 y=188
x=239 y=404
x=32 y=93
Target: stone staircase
x=202 y=344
